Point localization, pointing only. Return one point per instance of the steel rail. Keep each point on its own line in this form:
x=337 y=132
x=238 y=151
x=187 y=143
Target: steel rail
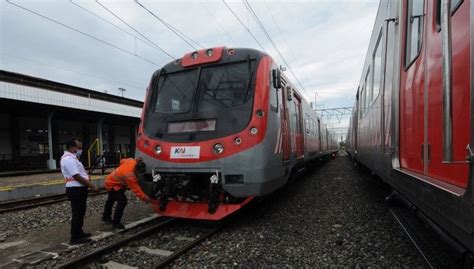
x=176 y=254
x=413 y=241
x=37 y=201
x=94 y=254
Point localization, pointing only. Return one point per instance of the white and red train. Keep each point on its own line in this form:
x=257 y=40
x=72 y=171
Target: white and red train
x=221 y=126
x=413 y=116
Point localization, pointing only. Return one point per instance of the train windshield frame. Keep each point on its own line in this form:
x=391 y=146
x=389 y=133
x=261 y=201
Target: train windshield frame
x=219 y=92
x=220 y=87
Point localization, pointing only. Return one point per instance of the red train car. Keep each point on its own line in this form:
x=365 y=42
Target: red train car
x=221 y=126
x=413 y=117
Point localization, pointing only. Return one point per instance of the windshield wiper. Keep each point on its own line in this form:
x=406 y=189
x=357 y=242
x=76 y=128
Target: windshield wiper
x=216 y=99
x=249 y=80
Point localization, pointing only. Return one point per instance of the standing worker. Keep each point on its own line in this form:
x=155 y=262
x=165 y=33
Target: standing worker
x=77 y=183
x=123 y=177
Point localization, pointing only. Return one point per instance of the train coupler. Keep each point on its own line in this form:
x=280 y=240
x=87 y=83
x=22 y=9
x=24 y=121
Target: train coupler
x=161 y=189
x=215 y=190
x=166 y=192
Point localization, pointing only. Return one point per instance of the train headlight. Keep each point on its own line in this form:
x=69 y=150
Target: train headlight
x=218 y=148
x=194 y=55
x=260 y=113
x=209 y=52
x=146 y=144
x=158 y=150
x=253 y=131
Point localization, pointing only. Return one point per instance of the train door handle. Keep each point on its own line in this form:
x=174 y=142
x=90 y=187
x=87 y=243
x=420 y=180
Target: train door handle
x=470 y=154
x=422 y=152
x=429 y=153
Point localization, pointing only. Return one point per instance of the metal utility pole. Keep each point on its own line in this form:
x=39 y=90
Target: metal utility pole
x=315 y=98
x=122 y=90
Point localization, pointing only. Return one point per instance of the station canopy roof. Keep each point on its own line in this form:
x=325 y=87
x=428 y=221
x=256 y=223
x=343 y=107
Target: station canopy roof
x=20 y=87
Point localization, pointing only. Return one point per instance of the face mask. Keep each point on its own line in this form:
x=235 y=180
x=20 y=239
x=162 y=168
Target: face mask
x=78 y=153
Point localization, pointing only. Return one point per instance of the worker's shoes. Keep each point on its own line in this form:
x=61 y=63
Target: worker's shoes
x=85 y=235
x=107 y=219
x=78 y=241
x=118 y=226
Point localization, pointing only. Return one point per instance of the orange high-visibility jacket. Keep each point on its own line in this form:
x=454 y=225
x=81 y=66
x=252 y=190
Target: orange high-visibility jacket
x=124 y=176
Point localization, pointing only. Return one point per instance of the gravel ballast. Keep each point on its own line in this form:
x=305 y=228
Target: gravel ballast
x=17 y=224
x=334 y=215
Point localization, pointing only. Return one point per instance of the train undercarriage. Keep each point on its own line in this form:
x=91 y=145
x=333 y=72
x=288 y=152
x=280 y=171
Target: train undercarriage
x=192 y=195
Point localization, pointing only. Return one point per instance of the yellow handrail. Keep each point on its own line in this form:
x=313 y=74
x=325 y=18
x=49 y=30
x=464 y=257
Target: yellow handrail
x=96 y=143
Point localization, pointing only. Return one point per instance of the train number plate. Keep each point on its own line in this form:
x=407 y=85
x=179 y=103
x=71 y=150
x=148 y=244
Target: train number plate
x=185 y=152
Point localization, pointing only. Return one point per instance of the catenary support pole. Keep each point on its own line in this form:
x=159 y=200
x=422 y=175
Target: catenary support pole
x=51 y=161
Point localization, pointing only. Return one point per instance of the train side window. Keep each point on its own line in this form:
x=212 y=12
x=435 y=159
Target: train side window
x=454 y=6
x=377 y=64
x=366 y=94
x=298 y=127
x=294 y=120
x=368 y=90
x=364 y=98
x=414 y=30
x=306 y=123
x=274 y=99
x=361 y=102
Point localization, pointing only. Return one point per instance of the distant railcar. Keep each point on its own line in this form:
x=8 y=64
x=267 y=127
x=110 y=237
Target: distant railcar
x=221 y=126
x=413 y=116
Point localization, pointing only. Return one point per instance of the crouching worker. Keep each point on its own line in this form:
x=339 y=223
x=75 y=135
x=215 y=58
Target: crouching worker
x=123 y=177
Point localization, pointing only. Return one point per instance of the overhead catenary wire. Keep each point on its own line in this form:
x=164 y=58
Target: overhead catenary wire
x=243 y=25
x=108 y=22
x=220 y=26
x=135 y=30
x=81 y=32
x=102 y=18
x=68 y=70
x=279 y=29
x=180 y=34
x=262 y=27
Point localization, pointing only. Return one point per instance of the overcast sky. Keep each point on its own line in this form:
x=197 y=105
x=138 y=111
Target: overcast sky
x=324 y=42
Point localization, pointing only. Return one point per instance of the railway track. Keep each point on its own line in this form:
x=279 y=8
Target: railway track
x=140 y=243
x=427 y=244
x=37 y=201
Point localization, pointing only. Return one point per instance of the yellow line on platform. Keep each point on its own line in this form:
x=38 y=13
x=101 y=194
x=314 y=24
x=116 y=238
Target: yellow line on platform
x=6 y=188
x=46 y=183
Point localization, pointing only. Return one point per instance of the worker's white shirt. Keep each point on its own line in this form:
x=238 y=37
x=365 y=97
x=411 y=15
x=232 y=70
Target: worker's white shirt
x=71 y=166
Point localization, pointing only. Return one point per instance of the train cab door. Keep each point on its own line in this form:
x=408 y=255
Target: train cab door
x=448 y=130
x=433 y=138
x=285 y=133
x=299 y=134
x=412 y=87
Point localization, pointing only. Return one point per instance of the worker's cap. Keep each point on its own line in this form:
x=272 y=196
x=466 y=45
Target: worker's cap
x=140 y=167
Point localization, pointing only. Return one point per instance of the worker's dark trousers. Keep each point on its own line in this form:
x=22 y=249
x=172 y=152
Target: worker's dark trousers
x=121 y=199
x=78 y=198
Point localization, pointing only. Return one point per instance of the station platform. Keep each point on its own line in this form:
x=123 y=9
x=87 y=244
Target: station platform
x=35 y=185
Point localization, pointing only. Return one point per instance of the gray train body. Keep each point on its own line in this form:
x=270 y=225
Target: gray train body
x=374 y=134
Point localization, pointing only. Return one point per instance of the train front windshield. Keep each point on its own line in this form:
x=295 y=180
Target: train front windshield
x=202 y=103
